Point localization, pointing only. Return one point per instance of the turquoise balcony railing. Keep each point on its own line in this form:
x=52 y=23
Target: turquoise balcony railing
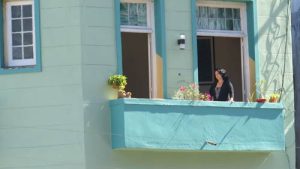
x=196 y=125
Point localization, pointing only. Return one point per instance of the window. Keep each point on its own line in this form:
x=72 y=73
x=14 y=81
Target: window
x=21 y=36
x=138 y=47
x=215 y=18
x=222 y=43
x=134 y=14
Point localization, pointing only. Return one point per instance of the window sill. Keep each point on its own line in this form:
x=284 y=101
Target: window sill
x=23 y=69
x=196 y=125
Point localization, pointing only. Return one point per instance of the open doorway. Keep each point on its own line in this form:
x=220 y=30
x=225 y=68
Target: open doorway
x=222 y=42
x=138 y=47
x=220 y=52
x=135 y=52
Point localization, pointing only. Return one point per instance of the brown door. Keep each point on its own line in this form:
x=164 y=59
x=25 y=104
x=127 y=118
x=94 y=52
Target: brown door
x=136 y=63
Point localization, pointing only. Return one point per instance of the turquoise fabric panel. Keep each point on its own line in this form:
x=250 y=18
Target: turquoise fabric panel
x=196 y=125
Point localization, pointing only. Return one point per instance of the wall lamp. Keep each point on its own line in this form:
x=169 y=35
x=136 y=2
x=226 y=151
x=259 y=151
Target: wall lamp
x=181 y=42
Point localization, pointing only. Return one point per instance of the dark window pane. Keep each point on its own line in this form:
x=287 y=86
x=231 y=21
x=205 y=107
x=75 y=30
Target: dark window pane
x=28 y=52
x=27 y=39
x=27 y=11
x=228 y=13
x=203 y=12
x=17 y=53
x=16 y=39
x=221 y=13
x=229 y=24
x=27 y=25
x=124 y=13
x=236 y=25
x=16 y=11
x=133 y=16
x=16 y=25
x=213 y=12
x=236 y=13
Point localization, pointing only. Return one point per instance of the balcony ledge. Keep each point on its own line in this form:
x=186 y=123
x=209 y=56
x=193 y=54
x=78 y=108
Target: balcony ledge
x=185 y=125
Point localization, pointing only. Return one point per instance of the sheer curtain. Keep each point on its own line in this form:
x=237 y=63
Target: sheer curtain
x=133 y=14
x=211 y=18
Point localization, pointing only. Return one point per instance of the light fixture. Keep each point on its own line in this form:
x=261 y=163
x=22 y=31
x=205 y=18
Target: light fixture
x=181 y=41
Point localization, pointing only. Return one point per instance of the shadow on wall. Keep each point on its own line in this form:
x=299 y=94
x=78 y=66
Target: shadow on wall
x=274 y=65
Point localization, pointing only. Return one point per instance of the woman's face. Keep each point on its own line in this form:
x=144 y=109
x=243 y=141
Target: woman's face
x=218 y=76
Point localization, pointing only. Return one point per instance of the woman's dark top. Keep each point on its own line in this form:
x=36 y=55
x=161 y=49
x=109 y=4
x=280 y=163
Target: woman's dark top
x=225 y=92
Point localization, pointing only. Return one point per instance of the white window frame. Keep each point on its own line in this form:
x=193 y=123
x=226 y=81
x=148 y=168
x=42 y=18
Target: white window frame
x=150 y=30
x=227 y=33
x=140 y=29
x=9 y=62
x=242 y=34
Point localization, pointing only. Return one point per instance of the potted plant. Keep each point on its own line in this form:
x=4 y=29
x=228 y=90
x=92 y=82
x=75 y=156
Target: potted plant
x=274 y=97
x=191 y=92
x=261 y=89
x=119 y=82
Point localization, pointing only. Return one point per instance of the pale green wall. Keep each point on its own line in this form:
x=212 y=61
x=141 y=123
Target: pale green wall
x=59 y=118
x=41 y=119
x=179 y=62
x=99 y=61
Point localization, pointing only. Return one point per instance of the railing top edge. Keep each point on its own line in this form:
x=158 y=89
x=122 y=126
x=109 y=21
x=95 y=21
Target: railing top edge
x=173 y=102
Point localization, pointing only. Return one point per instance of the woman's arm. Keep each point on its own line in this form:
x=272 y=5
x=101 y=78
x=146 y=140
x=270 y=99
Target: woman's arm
x=231 y=92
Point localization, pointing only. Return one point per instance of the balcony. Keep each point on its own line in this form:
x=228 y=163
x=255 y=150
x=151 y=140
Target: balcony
x=184 y=125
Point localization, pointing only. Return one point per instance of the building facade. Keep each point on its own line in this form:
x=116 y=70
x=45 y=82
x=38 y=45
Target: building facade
x=56 y=57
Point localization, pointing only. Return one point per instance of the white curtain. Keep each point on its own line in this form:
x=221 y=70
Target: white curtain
x=210 y=18
x=133 y=14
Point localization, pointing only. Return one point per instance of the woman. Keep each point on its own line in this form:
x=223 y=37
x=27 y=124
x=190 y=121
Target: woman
x=222 y=89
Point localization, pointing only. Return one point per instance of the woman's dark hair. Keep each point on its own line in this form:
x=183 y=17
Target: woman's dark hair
x=223 y=73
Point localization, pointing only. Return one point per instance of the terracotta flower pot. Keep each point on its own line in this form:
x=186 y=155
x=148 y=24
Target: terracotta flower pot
x=261 y=100
x=273 y=100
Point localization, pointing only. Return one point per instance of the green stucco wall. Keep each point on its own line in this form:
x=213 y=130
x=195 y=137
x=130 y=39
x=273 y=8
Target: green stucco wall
x=59 y=118
x=179 y=62
x=41 y=119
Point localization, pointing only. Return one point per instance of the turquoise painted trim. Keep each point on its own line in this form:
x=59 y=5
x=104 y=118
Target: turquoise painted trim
x=197 y=125
x=194 y=40
x=253 y=37
x=1 y=35
x=160 y=37
x=118 y=37
x=37 y=19
x=174 y=102
x=26 y=69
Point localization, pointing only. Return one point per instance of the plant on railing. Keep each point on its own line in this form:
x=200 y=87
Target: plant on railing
x=191 y=92
x=274 y=97
x=261 y=94
x=119 y=83
x=261 y=91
